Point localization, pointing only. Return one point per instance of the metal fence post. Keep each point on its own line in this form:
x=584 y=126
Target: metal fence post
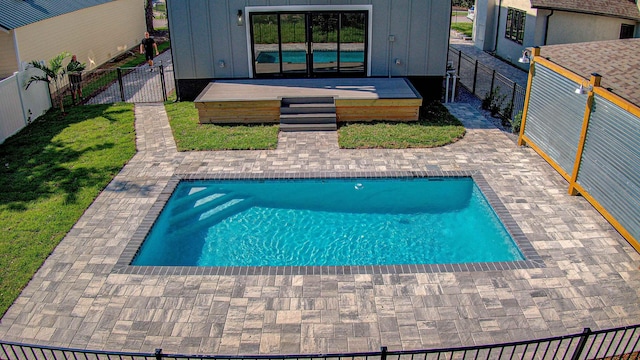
x=581 y=344
x=383 y=354
x=459 y=61
x=493 y=79
x=513 y=99
x=475 y=77
x=158 y=354
x=164 y=87
x=121 y=85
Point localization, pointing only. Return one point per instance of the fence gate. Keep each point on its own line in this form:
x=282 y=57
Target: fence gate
x=132 y=85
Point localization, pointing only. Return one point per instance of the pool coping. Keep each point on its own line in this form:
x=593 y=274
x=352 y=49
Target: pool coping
x=532 y=258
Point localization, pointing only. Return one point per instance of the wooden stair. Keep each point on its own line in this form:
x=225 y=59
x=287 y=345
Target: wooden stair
x=308 y=114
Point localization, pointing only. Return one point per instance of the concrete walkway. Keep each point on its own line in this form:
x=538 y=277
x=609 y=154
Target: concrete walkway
x=591 y=278
x=509 y=71
x=140 y=85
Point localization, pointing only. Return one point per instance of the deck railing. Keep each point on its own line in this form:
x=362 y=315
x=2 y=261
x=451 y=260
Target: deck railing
x=612 y=344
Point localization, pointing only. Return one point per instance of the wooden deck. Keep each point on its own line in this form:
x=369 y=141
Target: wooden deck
x=356 y=99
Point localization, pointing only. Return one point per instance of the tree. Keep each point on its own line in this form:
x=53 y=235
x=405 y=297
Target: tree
x=148 y=15
x=53 y=72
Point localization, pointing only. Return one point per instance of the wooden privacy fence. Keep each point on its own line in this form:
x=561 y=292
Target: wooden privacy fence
x=590 y=136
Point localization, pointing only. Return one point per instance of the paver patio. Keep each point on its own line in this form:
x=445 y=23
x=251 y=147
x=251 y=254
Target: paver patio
x=591 y=278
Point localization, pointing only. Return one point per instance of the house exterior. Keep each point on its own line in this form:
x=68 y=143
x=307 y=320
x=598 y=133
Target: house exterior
x=249 y=39
x=94 y=30
x=507 y=27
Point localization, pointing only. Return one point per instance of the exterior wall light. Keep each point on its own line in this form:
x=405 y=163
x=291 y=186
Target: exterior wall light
x=239 y=20
x=583 y=89
x=526 y=57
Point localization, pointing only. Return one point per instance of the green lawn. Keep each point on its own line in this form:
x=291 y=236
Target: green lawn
x=464 y=28
x=50 y=173
x=191 y=135
x=437 y=127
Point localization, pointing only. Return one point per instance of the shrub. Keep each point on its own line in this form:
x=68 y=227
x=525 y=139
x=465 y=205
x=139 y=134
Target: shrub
x=516 y=122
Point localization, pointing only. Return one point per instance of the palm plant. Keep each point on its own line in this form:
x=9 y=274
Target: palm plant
x=53 y=72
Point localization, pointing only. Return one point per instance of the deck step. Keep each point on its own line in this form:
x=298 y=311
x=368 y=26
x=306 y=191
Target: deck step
x=308 y=109
x=308 y=114
x=308 y=127
x=308 y=100
x=321 y=118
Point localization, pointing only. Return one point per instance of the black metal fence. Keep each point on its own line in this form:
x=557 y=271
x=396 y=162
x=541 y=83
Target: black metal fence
x=107 y=86
x=613 y=344
x=499 y=94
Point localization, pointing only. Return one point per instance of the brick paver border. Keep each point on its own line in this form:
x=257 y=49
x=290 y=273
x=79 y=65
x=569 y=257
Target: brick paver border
x=532 y=259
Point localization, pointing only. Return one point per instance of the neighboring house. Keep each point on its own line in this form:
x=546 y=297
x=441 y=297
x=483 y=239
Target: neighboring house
x=94 y=30
x=507 y=27
x=234 y=39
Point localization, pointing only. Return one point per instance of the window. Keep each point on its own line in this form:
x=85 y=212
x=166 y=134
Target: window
x=515 y=25
x=626 y=31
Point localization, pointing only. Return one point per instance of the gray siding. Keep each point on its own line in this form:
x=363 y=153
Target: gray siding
x=554 y=116
x=611 y=163
x=204 y=33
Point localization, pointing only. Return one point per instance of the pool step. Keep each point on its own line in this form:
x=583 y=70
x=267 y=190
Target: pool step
x=197 y=195
x=207 y=206
x=210 y=218
x=308 y=114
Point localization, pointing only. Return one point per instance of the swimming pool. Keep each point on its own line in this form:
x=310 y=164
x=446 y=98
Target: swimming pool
x=319 y=56
x=326 y=222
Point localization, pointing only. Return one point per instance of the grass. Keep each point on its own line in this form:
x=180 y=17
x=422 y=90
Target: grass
x=464 y=28
x=190 y=135
x=97 y=80
x=50 y=173
x=436 y=127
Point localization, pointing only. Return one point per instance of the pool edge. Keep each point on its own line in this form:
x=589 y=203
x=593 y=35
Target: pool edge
x=532 y=258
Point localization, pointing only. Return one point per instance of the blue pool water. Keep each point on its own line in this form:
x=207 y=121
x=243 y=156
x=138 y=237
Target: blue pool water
x=300 y=57
x=316 y=222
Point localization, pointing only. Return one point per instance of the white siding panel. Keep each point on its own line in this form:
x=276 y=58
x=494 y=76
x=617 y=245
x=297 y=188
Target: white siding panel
x=94 y=34
x=8 y=60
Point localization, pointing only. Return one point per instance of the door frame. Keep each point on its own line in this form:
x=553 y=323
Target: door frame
x=304 y=9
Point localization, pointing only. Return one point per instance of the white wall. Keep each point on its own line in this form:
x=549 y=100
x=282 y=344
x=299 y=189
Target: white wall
x=566 y=28
x=18 y=107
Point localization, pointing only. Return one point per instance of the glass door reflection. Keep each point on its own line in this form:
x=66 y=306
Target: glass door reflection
x=324 y=45
x=294 y=47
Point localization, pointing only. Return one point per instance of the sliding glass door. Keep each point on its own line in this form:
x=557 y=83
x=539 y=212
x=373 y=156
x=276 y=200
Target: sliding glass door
x=309 y=44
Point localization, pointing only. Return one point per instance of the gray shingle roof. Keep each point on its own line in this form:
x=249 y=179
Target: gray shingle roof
x=626 y=9
x=617 y=61
x=18 y=13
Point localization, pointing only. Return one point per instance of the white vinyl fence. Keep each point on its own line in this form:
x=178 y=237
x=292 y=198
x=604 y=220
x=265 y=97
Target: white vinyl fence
x=19 y=107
